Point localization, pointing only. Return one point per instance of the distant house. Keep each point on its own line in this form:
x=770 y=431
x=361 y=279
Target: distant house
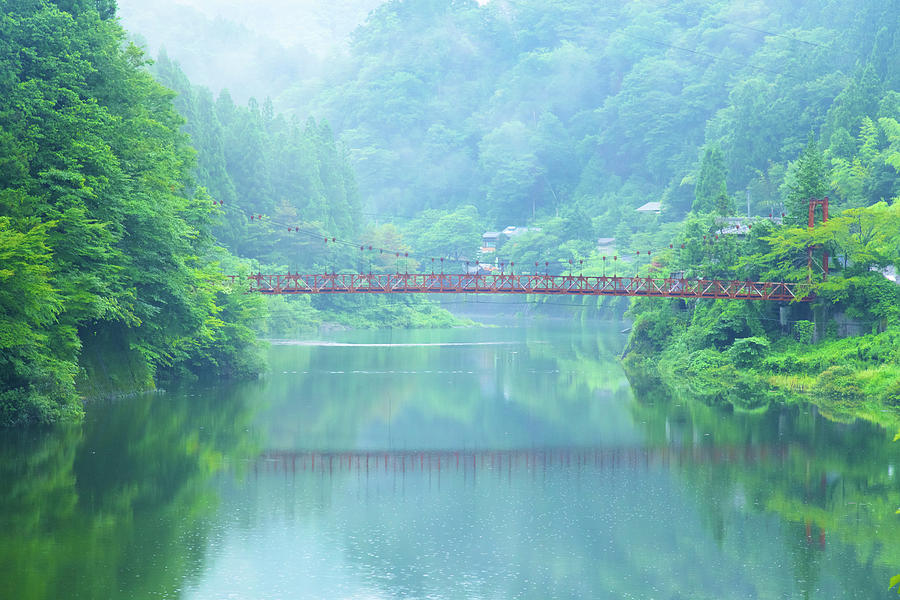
x=490 y=240
x=514 y=230
x=650 y=208
x=890 y=273
x=733 y=226
x=741 y=225
x=606 y=245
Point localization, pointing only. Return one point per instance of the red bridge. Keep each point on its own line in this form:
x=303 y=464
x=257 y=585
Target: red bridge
x=574 y=285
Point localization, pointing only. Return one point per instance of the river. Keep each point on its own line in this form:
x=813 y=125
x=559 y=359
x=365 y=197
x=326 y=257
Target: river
x=482 y=463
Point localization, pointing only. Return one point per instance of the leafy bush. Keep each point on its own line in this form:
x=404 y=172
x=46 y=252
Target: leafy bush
x=839 y=385
x=24 y=406
x=747 y=351
x=803 y=331
x=786 y=362
x=892 y=396
x=651 y=330
x=705 y=360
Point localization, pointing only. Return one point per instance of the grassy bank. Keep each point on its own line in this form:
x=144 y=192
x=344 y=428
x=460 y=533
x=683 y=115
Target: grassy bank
x=298 y=315
x=732 y=354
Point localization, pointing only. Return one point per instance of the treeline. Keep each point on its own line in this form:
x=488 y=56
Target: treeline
x=255 y=162
x=107 y=246
x=300 y=179
x=538 y=109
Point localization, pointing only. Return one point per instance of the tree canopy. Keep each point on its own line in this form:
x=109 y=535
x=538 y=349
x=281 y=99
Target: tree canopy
x=102 y=224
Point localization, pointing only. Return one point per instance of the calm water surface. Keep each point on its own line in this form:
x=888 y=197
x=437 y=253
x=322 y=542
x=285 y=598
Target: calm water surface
x=480 y=463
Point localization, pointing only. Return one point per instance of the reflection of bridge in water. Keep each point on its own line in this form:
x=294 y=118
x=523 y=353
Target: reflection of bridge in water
x=508 y=460
x=480 y=464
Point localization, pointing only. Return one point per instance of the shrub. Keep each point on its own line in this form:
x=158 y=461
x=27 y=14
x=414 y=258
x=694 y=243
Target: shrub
x=803 y=331
x=839 y=385
x=747 y=351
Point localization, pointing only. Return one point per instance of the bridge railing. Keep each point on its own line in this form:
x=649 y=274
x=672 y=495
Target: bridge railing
x=448 y=283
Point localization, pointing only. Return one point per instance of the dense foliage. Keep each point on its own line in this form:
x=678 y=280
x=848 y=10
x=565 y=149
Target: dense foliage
x=103 y=232
x=521 y=108
x=444 y=119
x=299 y=179
x=749 y=354
x=568 y=115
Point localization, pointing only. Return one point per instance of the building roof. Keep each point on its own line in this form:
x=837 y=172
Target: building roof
x=490 y=234
x=890 y=273
x=514 y=230
x=741 y=225
x=606 y=241
x=650 y=207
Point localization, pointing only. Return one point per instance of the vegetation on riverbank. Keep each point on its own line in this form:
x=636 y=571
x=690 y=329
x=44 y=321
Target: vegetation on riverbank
x=750 y=355
x=103 y=230
x=839 y=351
x=121 y=203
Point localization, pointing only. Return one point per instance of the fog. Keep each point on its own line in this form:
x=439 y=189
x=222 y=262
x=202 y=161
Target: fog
x=252 y=49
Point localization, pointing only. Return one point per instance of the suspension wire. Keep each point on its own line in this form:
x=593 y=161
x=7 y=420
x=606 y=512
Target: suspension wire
x=707 y=241
x=830 y=48
x=383 y=216
x=774 y=34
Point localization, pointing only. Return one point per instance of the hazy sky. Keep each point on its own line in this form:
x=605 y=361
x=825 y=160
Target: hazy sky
x=317 y=25
x=251 y=48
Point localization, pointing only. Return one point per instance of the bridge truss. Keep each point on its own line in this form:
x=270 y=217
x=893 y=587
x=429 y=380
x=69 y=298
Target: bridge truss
x=572 y=285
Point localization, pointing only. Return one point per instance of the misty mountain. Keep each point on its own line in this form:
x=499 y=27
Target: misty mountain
x=249 y=49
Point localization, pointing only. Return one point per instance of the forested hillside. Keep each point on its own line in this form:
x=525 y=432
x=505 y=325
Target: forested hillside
x=288 y=201
x=569 y=114
x=106 y=243
x=524 y=108
x=442 y=119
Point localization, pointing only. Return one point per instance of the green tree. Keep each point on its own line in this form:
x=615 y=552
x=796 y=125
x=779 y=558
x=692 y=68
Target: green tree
x=455 y=235
x=806 y=178
x=711 y=185
x=97 y=178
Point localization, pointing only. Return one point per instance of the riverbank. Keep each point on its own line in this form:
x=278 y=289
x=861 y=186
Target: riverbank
x=109 y=368
x=740 y=364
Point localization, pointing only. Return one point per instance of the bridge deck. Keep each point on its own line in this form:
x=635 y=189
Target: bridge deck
x=575 y=285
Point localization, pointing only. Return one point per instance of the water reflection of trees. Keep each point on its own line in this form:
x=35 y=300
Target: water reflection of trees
x=331 y=397
x=833 y=484
x=691 y=524
x=117 y=507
